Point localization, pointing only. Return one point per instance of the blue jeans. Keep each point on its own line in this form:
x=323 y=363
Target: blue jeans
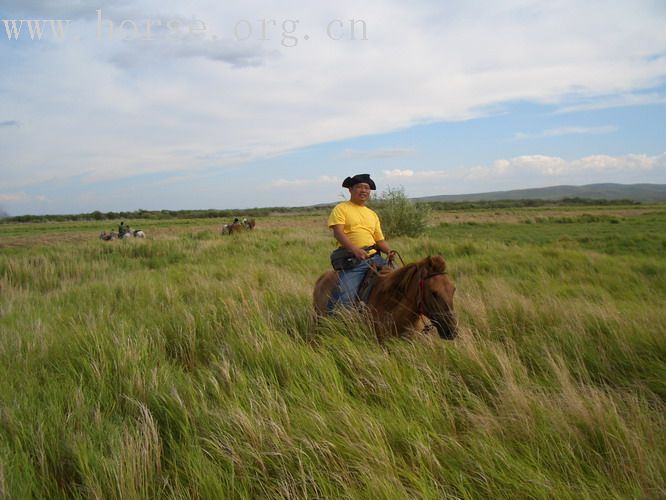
x=350 y=280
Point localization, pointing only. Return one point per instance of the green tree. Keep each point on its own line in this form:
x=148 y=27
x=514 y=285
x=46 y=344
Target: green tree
x=399 y=215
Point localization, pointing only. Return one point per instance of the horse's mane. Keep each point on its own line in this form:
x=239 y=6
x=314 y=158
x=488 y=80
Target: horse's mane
x=399 y=280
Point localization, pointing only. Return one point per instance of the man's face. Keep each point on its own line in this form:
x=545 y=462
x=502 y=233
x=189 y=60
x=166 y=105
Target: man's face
x=360 y=193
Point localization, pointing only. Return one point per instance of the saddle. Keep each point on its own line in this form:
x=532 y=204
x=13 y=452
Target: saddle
x=366 y=286
x=369 y=280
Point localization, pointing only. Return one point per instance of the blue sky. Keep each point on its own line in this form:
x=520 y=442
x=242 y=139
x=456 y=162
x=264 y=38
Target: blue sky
x=235 y=105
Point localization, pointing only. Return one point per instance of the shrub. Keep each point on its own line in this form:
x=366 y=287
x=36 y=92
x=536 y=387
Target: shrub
x=399 y=215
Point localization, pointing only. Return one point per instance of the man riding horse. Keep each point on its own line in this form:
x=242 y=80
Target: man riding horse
x=399 y=301
x=359 y=234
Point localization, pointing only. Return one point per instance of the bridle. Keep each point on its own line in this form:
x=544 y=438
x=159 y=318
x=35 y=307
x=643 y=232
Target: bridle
x=420 y=302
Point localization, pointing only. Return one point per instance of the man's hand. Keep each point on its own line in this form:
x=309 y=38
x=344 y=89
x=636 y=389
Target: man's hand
x=359 y=253
x=341 y=237
x=385 y=248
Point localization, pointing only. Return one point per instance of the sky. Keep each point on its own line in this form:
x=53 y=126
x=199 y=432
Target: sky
x=119 y=105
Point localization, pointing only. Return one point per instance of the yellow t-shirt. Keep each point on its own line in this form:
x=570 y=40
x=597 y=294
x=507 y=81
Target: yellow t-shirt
x=362 y=225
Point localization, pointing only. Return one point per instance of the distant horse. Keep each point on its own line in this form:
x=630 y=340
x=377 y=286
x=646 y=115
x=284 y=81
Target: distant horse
x=107 y=236
x=234 y=227
x=400 y=299
x=249 y=223
x=138 y=233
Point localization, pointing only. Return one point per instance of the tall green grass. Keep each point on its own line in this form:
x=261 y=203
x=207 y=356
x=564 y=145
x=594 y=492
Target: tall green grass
x=191 y=365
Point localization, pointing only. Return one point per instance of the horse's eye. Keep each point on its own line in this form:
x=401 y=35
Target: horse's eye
x=435 y=294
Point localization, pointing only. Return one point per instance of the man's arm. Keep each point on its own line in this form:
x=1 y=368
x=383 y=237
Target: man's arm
x=341 y=237
x=384 y=247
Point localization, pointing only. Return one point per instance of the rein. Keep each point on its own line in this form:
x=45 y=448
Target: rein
x=390 y=262
x=400 y=257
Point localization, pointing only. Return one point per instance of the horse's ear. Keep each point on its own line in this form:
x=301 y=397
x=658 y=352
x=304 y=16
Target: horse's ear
x=437 y=264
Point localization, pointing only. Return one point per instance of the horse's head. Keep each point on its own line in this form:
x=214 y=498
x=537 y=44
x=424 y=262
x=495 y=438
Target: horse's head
x=436 y=296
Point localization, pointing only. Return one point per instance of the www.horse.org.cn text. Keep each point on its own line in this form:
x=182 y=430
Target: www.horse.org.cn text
x=287 y=32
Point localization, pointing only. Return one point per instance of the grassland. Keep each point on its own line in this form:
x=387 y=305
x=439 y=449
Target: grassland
x=189 y=365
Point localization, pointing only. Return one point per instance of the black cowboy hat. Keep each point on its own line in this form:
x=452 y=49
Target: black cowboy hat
x=357 y=179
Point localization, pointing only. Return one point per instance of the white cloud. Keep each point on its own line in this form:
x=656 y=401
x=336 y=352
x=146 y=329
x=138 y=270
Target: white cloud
x=77 y=10
x=553 y=166
x=376 y=154
x=399 y=173
x=619 y=101
x=221 y=51
x=528 y=168
x=557 y=132
x=299 y=183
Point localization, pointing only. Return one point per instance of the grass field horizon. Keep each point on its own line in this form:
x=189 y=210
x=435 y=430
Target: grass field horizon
x=190 y=364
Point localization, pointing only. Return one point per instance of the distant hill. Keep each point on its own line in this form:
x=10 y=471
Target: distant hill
x=633 y=192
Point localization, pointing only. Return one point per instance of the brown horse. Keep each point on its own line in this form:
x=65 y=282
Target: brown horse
x=400 y=299
x=234 y=227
